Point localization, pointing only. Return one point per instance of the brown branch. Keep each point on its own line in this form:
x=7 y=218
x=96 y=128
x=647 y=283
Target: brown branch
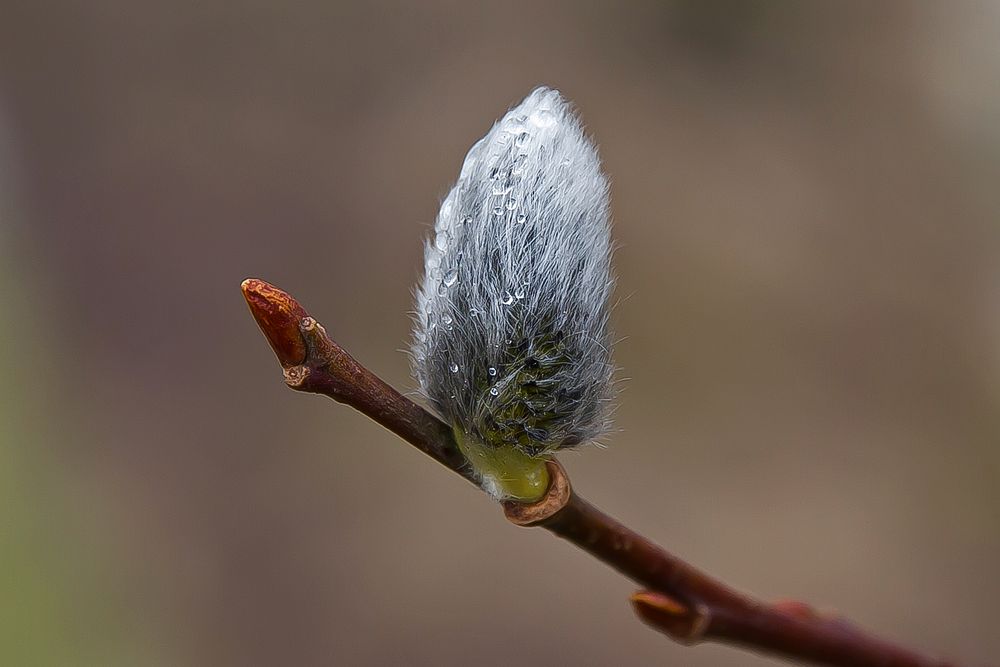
x=681 y=601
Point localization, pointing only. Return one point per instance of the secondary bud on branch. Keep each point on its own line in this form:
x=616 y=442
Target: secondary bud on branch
x=511 y=343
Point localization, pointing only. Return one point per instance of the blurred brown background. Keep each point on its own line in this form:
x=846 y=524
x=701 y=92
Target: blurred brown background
x=806 y=200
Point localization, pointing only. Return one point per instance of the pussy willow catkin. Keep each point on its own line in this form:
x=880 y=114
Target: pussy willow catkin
x=511 y=343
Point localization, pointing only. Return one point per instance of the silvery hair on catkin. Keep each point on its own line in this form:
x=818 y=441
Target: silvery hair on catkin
x=511 y=340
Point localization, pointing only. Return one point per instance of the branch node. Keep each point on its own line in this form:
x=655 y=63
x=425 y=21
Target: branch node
x=296 y=376
x=555 y=498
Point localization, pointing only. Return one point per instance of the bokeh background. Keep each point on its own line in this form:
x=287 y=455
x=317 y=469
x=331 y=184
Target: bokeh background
x=806 y=200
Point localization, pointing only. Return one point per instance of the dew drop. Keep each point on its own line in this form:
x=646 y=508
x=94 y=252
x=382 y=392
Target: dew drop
x=507 y=298
x=521 y=219
x=515 y=124
x=467 y=219
x=450 y=278
x=453 y=367
x=494 y=391
x=511 y=203
x=446 y=319
x=441 y=241
x=492 y=371
x=498 y=210
x=519 y=292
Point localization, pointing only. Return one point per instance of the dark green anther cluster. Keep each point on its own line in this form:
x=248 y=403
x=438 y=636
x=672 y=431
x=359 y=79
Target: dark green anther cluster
x=532 y=403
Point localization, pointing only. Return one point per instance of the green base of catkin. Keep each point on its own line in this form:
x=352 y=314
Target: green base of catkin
x=506 y=472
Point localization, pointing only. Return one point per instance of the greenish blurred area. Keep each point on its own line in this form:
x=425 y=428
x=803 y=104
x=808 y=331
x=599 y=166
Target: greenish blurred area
x=54 y=577
x=42 y=602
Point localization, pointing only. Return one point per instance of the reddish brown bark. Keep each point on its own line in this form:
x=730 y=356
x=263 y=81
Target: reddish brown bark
x=680 y=601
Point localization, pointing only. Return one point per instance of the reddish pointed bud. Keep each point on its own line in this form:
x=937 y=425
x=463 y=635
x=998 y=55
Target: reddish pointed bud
x=684 y=623
x=796 y=608
x=279 y=316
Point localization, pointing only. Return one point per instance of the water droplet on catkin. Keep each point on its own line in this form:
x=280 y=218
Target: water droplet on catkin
x=450 y=278
x=453 y=367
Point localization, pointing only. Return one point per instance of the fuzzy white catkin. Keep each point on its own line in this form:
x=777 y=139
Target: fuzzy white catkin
x=511 y=342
